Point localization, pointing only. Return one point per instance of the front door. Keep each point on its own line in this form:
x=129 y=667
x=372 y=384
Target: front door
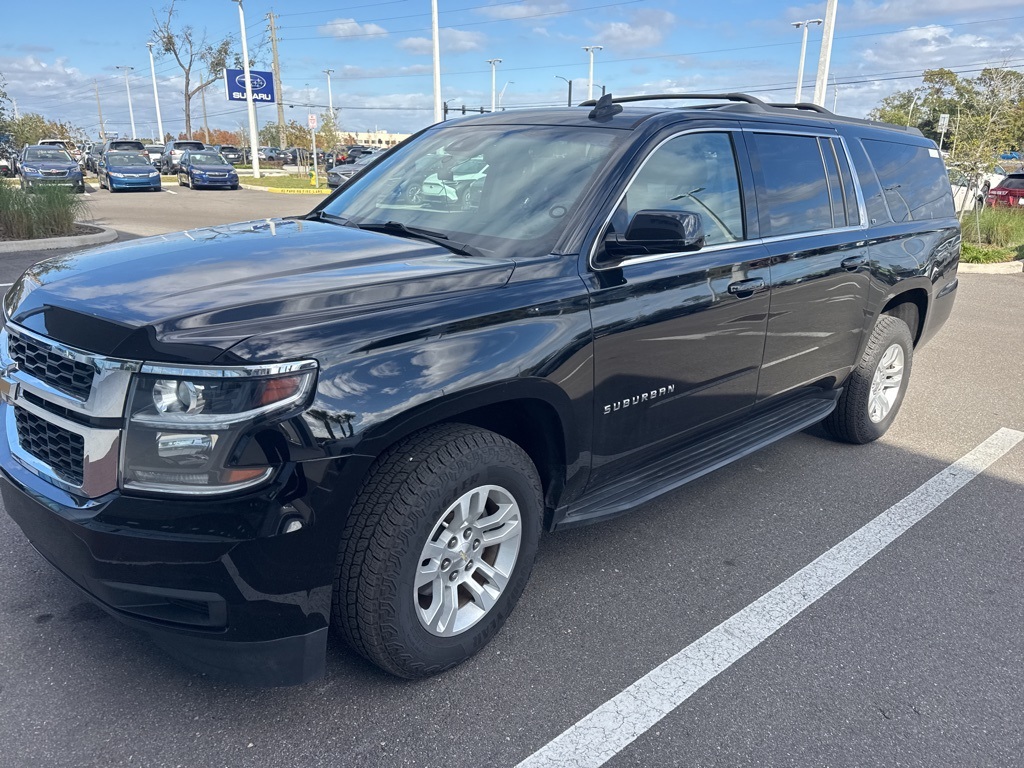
x=678 y=337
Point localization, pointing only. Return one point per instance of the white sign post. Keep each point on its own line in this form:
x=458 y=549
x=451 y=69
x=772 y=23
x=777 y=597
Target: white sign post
x=943 y=125
x=312 y=130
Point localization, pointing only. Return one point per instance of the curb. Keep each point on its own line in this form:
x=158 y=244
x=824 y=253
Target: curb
x=108 y=235
x=284 y=191
x=1001 y=268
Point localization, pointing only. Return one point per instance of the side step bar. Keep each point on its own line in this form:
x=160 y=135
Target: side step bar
x=699 y=458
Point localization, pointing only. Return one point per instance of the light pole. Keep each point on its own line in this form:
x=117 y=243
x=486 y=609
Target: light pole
x=825 y=56
x=494 y=63
x=253 y=136
x=128 y=88
x=590 y=79
x=569 y=103
x=803 y=54
x=438 y=114
x=156 y=96
x=502 y=94
x=330 y=96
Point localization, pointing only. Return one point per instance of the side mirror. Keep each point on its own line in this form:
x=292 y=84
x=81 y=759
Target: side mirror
x=651 y=232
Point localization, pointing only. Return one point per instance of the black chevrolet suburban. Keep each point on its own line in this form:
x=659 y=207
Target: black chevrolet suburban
x=237 y=438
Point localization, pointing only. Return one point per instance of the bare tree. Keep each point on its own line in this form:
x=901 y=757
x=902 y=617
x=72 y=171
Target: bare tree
x=196 y=57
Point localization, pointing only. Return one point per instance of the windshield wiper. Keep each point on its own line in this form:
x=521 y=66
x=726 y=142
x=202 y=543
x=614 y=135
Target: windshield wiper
x=438 y=238
x=332 y=218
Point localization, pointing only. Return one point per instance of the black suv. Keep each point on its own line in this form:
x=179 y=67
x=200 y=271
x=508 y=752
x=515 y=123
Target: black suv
x=235 y=437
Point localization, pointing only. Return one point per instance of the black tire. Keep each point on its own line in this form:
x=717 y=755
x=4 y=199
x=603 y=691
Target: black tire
x=851 y=421
x=235 y=186
x=407 y=493
x=191 y=181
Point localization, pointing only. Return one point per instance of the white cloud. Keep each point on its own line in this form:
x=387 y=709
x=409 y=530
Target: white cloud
x=522 y=10
x=452 y=41
x=644 y=31
x=350 y=28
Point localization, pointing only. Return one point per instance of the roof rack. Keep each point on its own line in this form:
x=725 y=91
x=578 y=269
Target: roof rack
x=737 y=97
x=744 y=102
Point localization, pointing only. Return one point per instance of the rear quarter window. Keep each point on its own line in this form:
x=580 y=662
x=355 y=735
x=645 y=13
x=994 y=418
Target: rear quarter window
x=913 y=179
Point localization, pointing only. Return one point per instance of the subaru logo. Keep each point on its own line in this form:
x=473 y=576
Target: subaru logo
x=258 y=83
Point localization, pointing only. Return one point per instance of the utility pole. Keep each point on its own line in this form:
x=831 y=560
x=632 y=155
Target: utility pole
x=156 y=96
x=825 y=57
x=437 y=62
x=14 y=101
x=103 y=132
x=590 y=82
x=128 y=88
x=253 y=133
x=277 y=82
x=570 y=88
x=494 y=63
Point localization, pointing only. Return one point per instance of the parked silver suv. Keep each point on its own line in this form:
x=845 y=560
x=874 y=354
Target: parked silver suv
x=173 y=151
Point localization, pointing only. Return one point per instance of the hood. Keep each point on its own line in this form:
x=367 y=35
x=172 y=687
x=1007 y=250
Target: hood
x=143 y=169
x=189 y=296
x=214 y=167
x=51 y=165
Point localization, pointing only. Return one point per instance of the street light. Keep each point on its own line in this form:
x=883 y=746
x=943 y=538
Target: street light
x=156 y=96
x=330 y=96
x=253 y=136
x=803 y=54
x=435 y=33
x=502 y=94
x=569 y=103
x=494 y=63
x=590 y=80
x=131 y=112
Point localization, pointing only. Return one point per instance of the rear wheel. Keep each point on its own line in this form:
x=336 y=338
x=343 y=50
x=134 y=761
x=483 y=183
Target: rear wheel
x=874 y=390
x=437 y=549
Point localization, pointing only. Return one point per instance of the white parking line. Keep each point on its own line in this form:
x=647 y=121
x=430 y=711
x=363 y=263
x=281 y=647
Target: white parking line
x=614 y=725
x=171 y=191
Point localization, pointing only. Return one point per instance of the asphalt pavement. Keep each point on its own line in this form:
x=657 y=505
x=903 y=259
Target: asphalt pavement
x=913 y=657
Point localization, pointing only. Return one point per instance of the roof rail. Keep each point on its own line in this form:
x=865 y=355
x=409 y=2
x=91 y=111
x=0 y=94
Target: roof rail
x=690 y=96
x=737 y=97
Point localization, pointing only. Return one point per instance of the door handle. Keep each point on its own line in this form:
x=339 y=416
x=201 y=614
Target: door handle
x=744 y=288
x=854 y=263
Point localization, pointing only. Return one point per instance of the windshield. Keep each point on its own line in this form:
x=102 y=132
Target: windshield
x=209 y=158
x=128 y=158
x=499 y=189
x=50 y=153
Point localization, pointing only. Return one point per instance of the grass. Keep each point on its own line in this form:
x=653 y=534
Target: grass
x=996 y=235
x=45 y=212
x=285 y=182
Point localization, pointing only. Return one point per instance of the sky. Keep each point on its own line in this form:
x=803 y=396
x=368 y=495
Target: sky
x=381 y=54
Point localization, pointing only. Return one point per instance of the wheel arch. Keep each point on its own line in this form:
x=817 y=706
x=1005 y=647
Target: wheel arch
x=910 y=306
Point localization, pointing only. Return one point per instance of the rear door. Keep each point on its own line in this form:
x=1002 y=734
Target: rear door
x=678 y=337
x=811 y=221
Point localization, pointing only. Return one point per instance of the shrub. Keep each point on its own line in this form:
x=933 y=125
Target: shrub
x=985 y=254
x=1002 y=227
x=46 y=212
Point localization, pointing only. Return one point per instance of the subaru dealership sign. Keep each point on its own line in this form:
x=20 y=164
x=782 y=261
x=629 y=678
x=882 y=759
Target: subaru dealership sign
x=262 y=85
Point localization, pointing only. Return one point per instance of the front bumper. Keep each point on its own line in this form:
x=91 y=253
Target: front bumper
x=206 y=181
x=138 y=183
x=254 y=611
x=59 y=181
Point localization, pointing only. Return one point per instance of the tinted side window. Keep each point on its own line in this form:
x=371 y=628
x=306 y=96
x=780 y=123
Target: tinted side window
x=914 y=181
x=697 y=173
x=789 y=180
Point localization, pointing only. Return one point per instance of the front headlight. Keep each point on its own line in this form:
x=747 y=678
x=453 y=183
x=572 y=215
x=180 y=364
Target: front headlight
x=27 y=169
x=115 y=174
x=154 y=173
x=186 y=427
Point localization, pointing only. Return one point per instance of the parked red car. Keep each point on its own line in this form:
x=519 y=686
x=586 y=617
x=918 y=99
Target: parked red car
x=1008 y=192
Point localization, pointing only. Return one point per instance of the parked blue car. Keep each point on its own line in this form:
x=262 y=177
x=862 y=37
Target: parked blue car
x=206 y=168
x=48 y=164
x=127 y=170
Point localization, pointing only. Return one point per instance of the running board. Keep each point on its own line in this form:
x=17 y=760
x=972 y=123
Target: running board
x=699 y=458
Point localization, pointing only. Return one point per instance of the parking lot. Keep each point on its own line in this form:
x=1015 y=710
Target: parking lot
x=900 y=647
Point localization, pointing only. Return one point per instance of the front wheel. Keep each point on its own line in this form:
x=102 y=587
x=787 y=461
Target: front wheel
x=874 y=390
x=437 y=549
x=191 y=182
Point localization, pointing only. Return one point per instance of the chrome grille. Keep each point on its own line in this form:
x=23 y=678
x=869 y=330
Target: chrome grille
x=61 y=450
x=50 y=367
x=217 y=175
